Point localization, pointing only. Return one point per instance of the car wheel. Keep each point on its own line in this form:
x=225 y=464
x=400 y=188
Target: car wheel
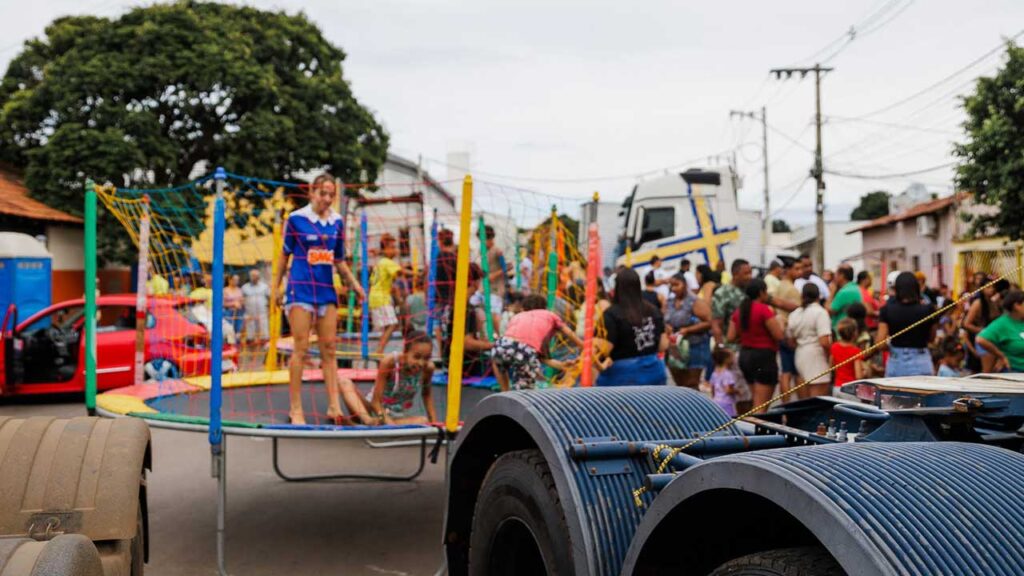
x=160 y=369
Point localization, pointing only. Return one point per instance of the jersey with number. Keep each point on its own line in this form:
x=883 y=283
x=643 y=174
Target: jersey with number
x=315 y=245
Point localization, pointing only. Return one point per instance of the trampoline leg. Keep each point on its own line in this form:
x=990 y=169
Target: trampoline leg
x=317 y=477
x=220 y=473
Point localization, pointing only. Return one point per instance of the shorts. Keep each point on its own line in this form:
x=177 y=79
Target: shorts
x=909 y=362
x=383 y=316
x=787 y=358
x=647 y=370
x=759 y=366
x=519 y=361
x=257 y=327
x=497 y=304
x=319 y=309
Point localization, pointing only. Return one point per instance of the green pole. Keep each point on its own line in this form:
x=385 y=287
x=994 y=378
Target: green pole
x=350 y=320
x=90 y=297
x=552 y=260
x=488 y=321
x=519 y=263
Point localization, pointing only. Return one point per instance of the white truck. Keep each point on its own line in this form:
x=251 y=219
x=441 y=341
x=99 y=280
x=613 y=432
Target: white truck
x=690 y=215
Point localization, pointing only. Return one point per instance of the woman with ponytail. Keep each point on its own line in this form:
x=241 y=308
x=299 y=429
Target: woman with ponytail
x=759 y=332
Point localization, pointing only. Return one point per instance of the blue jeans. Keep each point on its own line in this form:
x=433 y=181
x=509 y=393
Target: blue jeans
x=909 y=362
x=700 y=357
x=646 y=370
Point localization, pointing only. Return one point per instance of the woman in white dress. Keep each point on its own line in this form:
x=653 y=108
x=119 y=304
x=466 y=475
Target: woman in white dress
x=810 y=332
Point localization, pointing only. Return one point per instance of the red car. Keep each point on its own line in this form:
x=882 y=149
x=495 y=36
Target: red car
x=46 y=352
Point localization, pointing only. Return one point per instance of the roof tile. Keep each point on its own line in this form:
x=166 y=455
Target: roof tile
x=15 y=201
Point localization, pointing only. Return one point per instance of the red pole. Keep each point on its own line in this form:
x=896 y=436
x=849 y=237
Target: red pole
x=589 y=304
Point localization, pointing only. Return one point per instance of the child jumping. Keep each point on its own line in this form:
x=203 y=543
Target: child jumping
x=382 y=306
x=402 y=377
x=723 y=381
x=517 y=354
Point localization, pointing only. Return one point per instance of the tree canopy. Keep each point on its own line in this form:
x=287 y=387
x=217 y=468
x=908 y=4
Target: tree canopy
x=992 y=156
x=780 y=226
x=872 y=205
x=143 y=99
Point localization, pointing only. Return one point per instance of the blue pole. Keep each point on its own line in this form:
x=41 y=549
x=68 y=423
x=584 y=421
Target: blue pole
x=432 y=277
x=364 y=279
x=217 y=314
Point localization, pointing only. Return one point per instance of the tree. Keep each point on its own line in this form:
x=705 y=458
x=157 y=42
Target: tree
x=992 y=157
x=144 y=99
x=872 y=205
x=780 y=226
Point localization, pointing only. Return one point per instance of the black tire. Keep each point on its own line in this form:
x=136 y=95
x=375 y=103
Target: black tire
x=518 y=525
x=806 y=561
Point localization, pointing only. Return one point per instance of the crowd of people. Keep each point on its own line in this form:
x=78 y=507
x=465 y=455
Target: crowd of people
x=738 y=337
x=796 y=333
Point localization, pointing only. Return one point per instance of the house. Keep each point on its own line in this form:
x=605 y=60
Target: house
x=917 y=237
x=61 y=232
x=843 y=244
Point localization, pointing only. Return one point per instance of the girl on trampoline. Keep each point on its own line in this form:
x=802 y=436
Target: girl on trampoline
x=314 y=242
x=400 y=379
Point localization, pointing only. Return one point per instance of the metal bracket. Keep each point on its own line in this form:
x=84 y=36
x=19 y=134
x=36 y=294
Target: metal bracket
x=43 y=526
x=604 y=467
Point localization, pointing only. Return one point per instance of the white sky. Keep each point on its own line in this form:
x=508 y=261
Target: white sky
x=558 y=95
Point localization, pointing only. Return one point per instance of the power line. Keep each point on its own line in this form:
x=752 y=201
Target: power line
x=828 y=119
x=868 y=25
x=784 y=205
x=942 y=81
x=889 y=176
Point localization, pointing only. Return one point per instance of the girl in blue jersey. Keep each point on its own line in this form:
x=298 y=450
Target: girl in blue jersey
x=314 y=242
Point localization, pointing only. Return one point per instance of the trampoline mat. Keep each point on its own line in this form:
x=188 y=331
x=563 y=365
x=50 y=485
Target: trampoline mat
x=266 y=405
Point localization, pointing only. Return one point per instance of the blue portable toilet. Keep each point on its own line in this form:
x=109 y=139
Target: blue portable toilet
x=25 y=274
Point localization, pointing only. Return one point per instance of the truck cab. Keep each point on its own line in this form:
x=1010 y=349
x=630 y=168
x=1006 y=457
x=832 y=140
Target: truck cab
x=690 y=214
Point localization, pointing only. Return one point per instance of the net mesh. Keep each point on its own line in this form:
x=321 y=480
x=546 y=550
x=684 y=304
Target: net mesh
x=401 y=258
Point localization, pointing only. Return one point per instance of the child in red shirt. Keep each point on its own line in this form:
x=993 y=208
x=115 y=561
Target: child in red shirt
x=845 y=349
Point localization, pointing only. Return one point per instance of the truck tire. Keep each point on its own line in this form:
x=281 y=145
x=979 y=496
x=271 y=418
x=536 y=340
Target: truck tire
x=138 y=548
x=518 y=525
x=806 y=561
x=65 y=555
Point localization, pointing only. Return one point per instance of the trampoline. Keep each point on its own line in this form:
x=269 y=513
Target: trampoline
x=257 y=405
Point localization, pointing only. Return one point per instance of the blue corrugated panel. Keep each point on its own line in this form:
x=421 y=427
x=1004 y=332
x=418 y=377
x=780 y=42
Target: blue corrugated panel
x=929 y=508
x=635 y=414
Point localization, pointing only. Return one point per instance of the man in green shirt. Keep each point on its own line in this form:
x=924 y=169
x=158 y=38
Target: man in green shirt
x=727 y=299
x=1004 y=336
x=848 y=293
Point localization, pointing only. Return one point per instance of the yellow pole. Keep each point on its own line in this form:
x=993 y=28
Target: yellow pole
x=459 y=314
x=629 y=256
x=415 y=265
x=270 y=364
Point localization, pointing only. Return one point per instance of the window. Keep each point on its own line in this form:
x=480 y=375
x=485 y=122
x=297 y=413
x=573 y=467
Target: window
x=403 y=242
x=658 y=223
x=915 y=263
x=115 y=318
x=62 y=318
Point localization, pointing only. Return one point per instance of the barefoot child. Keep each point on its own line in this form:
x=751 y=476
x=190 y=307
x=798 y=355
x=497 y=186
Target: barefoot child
x=400 y=378
x=517 y=354
x=723 y=382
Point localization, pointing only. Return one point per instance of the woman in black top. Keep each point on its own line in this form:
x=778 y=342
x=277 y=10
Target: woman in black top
x=651 y=294
x=908 y=353
x=636 y=331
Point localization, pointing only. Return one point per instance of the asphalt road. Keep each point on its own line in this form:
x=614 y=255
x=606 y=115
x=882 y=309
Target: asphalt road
x=283 y=528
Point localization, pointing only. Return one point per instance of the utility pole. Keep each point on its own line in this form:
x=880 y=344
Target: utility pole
x=817 y=172
x=766 y=220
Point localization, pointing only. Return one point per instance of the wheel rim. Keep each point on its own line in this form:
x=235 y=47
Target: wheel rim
x=160 y=369
x=515 y=550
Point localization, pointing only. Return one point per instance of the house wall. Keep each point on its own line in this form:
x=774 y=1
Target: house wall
x=899 y=247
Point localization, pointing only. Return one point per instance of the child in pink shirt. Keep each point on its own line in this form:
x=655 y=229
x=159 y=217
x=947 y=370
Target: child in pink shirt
x=517 y=354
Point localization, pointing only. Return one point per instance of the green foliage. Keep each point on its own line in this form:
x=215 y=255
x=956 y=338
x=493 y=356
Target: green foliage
x=992 y=166
x=872 y=205
x=780 y=226
x=144 y=99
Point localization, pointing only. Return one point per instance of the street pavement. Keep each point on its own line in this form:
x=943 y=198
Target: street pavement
x=277 y=527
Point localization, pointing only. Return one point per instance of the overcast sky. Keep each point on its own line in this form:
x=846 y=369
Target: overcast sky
x=569 y=97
